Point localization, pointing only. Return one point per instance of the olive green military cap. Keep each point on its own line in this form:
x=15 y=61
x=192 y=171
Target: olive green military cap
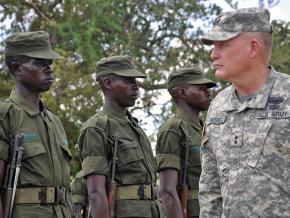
x=32 y=44
x=120 y=65
x=191 y=75
x=230 y=24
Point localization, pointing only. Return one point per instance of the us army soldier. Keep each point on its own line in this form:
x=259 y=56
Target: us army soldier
x=246 y=148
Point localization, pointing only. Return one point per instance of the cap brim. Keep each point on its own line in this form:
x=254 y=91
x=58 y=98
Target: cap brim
x=215 y=35
x=44 y=54
x=202 y=81
x=129 y=73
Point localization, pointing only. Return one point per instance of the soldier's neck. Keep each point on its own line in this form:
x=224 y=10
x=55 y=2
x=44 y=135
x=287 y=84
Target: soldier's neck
x=32 y=98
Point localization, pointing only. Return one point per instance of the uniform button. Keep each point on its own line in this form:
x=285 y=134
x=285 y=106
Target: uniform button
x=236 y=141
x=236 y=137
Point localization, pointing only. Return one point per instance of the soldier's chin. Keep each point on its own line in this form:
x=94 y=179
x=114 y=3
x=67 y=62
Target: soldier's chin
x=220 y=74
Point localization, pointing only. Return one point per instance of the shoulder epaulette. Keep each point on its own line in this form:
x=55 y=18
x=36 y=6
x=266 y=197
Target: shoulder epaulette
x=4 y=108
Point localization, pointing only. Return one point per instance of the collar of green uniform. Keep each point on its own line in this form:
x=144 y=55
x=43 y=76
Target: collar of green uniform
x=24 y=104
x=189 y=119
x=110 y=111
x=260 y=100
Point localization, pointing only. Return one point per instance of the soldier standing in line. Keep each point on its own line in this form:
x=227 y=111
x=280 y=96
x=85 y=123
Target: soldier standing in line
x=178 y=143
x=43 y=183
x=246 y=148
x=115 y=148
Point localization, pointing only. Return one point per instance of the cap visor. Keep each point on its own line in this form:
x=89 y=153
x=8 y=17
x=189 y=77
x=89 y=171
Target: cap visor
x=218 y=36
x=45 y=54
x=209 y=83
x=130 y=73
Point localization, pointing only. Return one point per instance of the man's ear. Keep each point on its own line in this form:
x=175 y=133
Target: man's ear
x=181 y=92
x=15 y=68
x=254 y=47
x=107 y=83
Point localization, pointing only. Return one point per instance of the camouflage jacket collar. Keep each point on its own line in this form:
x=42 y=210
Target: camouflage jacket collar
x=259 y=101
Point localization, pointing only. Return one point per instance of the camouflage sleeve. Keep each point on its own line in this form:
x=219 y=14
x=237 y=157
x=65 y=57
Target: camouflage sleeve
x=168 y=150
x=210 y=199
x=92 y=142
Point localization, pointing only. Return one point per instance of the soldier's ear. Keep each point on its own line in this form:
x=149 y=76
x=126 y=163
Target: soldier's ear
x=255 y=46
x=181 y=92
x=107 y=83
x=15 y=68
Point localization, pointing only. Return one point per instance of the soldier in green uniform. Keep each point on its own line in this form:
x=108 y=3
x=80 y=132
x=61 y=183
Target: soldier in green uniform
x=79 y=196
x=43 y=183
x=135 y=172
x=189 y=90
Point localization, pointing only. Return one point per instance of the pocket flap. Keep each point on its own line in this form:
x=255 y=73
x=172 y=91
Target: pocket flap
x=128 y=152
x=32 y=149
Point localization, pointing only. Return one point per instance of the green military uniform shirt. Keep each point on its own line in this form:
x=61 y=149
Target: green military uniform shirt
x=135 y=164
x=170 y=154
x=46 y=156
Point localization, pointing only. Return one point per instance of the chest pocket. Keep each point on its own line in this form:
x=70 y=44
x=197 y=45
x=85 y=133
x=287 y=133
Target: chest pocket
x=128 y=152
x=32 y=149
x=32 y=146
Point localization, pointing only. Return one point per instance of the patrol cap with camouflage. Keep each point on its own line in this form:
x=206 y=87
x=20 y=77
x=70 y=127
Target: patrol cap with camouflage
x=32 y=44
x=120 y=65
x=191 y=75
x=230 y=24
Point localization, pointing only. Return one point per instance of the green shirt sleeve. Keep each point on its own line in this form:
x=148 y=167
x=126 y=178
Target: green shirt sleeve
x=92 y=143
x=168 y=150
x=4 y=139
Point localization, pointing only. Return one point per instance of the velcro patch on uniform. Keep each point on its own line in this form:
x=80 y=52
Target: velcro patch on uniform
x=217 y=120
x=276 y=114
x=32 y=137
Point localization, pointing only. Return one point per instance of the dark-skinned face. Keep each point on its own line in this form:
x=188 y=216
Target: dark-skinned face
x=198 y=97
x=35 y=75
x=125 y=91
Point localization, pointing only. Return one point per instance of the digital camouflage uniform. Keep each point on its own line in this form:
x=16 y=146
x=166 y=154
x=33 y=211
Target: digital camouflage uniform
x=246 y=153
x=136 y=167
x=44 y=179
x=45 y=160
x=177 y=130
